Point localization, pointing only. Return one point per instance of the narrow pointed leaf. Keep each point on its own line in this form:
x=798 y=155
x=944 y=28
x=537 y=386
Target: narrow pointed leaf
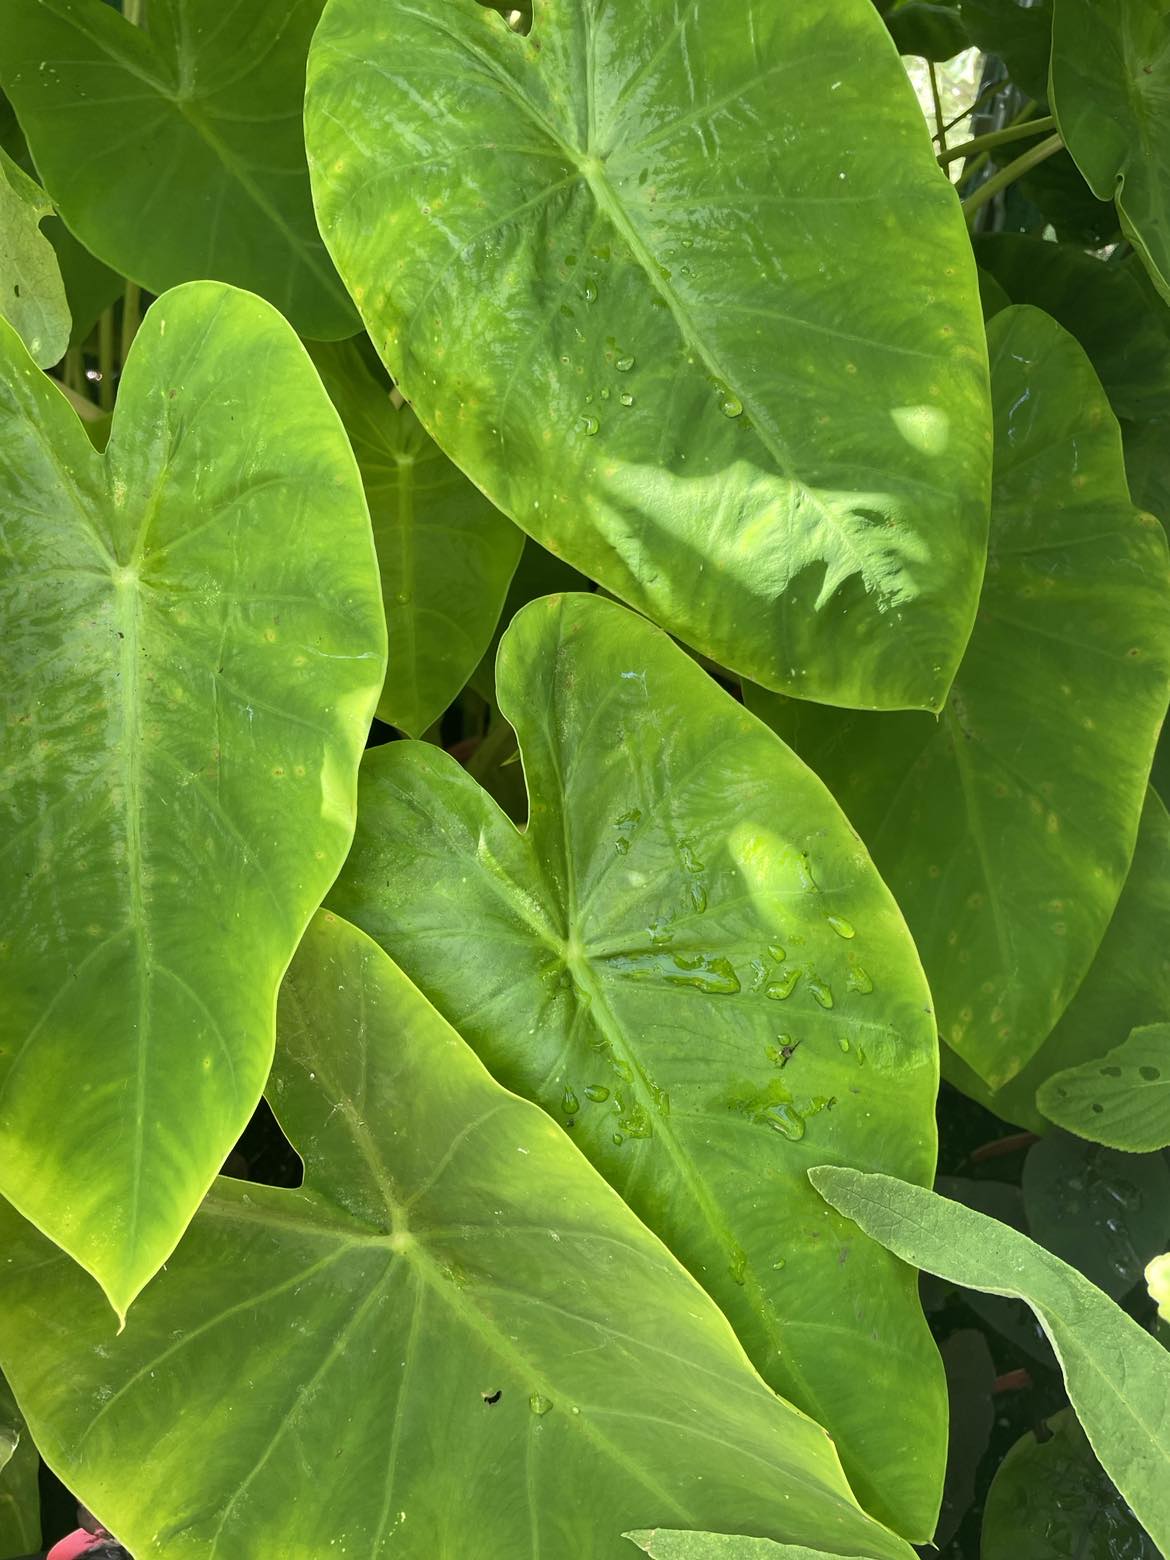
x=32 y=295
x=175 y=151
x=1122 y=1098
x=454 y=1336
x=689 y=957
x=446 y=554
x=1110 y=92
x=1007 y=827
x=1117 y=1374
x=194 y=644
x=647 y=276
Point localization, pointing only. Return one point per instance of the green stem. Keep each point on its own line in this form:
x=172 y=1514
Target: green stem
x=989 y=90
x=1023 y=164
x=131 y=315
x=941 y=130
x=980 y=160
x=75 y=370
x=106 y=361
x=993 y=138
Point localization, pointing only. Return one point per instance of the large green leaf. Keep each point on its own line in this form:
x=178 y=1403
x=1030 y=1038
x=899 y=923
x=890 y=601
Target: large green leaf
x=1006 y=828
x=194 y=644
x=1117 y=1374
x=1128 y=983
x=1103 y=305
x=1110 y=92
x=1051 y=1500
x=446 y=554
x=689 y=957
x=1121 y=1098
x=932 y=29
x=1019 y=32
x=32 y=295
x=1147 y=465
x=454 y=1343
x=684 y=293
x=177 y=152
x=20 y=1503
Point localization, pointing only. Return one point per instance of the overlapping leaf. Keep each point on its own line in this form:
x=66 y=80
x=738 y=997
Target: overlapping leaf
x=689 y=958
x=665 y=1544
x=32 y=295
x=446 y=553
x=455 y=1337
x=1006 y=828
x=685 y=294
x=194 y=644
x=1121 y=1098
x=1117 y=1374
x=176 y=151
x=1110 y=92
x=20 y=1503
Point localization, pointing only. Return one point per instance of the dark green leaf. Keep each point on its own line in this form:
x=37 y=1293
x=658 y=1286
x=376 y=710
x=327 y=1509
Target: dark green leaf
x=177 y=152
x=689 y=956
x=1121 y=1098
x=1019 y=33
x=32 y=297
x=684 y=292
x=453 y=1340
x=931 y=29
x=20 y=1502
x=194 y=647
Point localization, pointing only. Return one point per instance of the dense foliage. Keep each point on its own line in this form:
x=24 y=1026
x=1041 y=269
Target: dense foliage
x=586 y=613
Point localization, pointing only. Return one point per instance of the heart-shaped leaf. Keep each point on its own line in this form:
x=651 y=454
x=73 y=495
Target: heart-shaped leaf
x=176 y=151
x=446 y=554
x=1110 y=92
x=1117 y=1375
x=689 y=957
x=194 y=645
x=713 y=338
x=1006 y=828
x=455 y=1336
x=32 y=295
x=1051 y=1499
x=1122 y=1098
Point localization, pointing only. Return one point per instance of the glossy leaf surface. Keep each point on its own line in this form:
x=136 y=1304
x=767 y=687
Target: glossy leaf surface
x=645 y=275
x=454 y=1335
x=20 y=1502
x=1006 y=828
x=194 y=645
x=1051 y=1499
x=32 y=295
x=1117 y=1374
x=1110 y=92
x=1122 y=1098
x=176 y=151
x=446 y=554
x=1128 y=984
x=689 y=957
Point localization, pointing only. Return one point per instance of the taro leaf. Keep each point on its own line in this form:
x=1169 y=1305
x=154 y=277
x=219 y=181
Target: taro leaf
x=1117 y=1375
x=1006 y=828
x=1121 y=1099
x=683 y=291
x=931 y=29
x=454 y=1336
x=1110 y=92
x=1128 y=984
x=446 y=553
x=970 y=1384
x=1019 y=33
x=1147 y=465
x=689 y=957
x=673 y=1544
x=1057 y=190
x=194 y=644
x=1052 y=1500
x=1104 y=1213
x=20 y=1502
x=177 y=152
x=1103 y=305
x=32 y=296
x=90 y=285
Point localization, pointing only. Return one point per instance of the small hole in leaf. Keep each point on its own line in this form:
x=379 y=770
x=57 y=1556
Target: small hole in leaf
x=1097 y=1109
x=16 y=290
x=1150 y=1074
x=492 y=1397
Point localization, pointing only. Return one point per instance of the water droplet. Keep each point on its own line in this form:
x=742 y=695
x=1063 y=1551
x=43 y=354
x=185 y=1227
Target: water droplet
x=626 y=398
x=597 y=1092
x=618 y=1140
x=712 y=975
x=570 y=1104
x=843 y=1042
x=858 y=980
x=659 y=932
x=778 y=1266
x=840 y=925
x=689 y=858
x=820 y=991
x=730 y=405
x=777 y=952
x=788 y=1120
x=587 y=424
x=659 y=1098
x=698 y=897
x=589 y=293
x=635 y=1122
x=539 y=1404
x=780 y=990
x=738 y=1263
x=622 y=846
x=605 y=392
x=624 y=364
x=688 y=243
